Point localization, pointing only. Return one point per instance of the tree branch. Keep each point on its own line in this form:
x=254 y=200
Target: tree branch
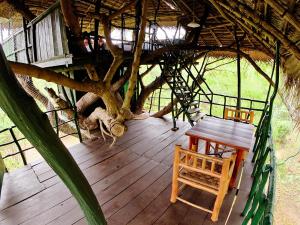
x=137 y=56
x=50 y=76
x=119 y=83
x=71 y=19
x=158 y=82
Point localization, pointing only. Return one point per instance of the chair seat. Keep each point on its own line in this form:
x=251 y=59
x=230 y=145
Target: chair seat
x=203 y=180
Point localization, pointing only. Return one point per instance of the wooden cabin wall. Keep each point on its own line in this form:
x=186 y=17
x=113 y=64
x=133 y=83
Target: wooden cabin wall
x=50 y=45
x=51 y=38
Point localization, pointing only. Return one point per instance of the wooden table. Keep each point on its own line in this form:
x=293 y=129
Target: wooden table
x=229 y=133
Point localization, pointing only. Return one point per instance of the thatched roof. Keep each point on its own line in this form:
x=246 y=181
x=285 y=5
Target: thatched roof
x=260 y=23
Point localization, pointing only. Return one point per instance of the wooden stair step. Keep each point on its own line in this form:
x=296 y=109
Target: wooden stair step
x=182 y=92
x=197 y=117
x=194 y=103
x=193 y=110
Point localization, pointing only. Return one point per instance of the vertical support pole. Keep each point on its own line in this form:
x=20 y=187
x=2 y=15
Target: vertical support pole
x=276 y=78
x=76 y=124
x=138 y=13
x=26 y=40
x=224 y=108
x=33 y=35
x=1 y=33
x=159 y=96
x=18 y=146
x=173 y=113
x=97 y=9
x=122 y=30
x=56 y=122
x=238 y=61
x=211 y=104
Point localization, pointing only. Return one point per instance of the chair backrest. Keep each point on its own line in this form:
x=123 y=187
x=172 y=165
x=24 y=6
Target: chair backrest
x=220 y=168
x=239 y=115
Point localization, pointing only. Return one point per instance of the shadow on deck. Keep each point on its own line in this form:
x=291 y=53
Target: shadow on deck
x=132 y=181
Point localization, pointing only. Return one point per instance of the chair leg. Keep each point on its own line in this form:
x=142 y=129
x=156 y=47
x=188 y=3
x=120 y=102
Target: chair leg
x=174 y=193
x=217 y=207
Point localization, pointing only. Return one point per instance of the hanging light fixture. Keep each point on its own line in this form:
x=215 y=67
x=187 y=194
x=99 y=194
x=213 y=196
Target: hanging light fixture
x=193 y=24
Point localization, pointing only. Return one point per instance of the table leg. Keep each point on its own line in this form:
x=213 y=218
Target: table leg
x=238 y=160
x=190 y=142
x=216 y=148
x=193 y=144
x=207 y=147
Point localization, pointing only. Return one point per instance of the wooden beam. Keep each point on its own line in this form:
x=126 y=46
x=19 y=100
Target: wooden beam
x=36 y=128
x=216 y=38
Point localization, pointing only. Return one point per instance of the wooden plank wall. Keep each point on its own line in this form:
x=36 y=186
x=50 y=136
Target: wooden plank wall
x=51 y=40
x=50 y=36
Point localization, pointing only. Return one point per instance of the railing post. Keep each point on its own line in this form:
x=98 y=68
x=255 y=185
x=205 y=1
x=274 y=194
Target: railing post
x=2 y=172
x=56 y=122
x=224 y=107
x=76 y=124
x=18 y=146
x=211 y=104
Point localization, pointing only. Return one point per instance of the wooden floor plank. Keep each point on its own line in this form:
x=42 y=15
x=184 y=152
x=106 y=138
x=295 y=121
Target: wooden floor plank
x=153 y=211
x=15 y=188
x=131 y=192
x=175 y=212
x=134 y=207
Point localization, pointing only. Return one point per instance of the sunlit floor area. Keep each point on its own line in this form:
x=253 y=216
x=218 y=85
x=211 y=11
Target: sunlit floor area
x=132 y=181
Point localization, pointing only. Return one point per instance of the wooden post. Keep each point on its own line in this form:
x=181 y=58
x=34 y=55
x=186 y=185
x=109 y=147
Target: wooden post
x=175 y=174
x=26 y=40
x=238 y=61
x=2 y=172
x=96 y=45
x=35 y=126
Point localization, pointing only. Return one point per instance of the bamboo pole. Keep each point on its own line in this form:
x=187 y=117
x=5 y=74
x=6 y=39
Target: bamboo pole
x=238 y=104
x=221 y=11
x=35 y=126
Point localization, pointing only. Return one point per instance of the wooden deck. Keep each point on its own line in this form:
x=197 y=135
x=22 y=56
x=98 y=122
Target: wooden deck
x=131 y=180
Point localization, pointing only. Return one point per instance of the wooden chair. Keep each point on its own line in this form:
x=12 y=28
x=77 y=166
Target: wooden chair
x=203 y=172
x=239 y=115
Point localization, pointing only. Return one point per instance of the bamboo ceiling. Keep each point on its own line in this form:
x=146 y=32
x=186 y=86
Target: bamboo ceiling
x=223 y=17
